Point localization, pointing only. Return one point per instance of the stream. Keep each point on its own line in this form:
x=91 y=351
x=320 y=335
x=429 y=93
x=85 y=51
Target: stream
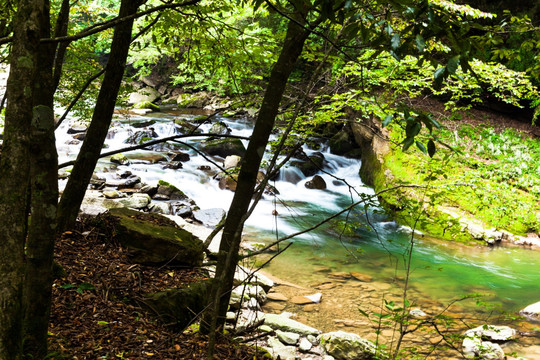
x=441 y=272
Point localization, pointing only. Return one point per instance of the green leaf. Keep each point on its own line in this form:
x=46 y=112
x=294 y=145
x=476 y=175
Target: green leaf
x=421 y=146
x=420 y=43
x=387 y=120
x=452 y=65
x=438 y=74
x=431 y=148
x=413 y=128
x=67 y=286
x=407 y=143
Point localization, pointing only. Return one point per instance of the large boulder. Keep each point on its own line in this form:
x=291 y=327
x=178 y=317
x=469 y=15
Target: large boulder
x=475 y=348
x=220 y=128
x=146 y=94
x=344 y=346
x=283 y=323
x=197 y=100
x=179 y=307
x=342 y=143
x=224 y=147
x=154 y=239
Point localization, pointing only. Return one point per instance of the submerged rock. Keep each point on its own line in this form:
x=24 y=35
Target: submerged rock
x=316 y=183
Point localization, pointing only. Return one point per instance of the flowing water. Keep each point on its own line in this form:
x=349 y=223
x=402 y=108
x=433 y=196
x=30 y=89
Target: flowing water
x=440 y=271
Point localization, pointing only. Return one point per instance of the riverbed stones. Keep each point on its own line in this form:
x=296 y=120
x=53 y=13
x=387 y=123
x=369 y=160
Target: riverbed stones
x=532 y=311
x=277 y=297
x=344 y=346
x=224 y=147
x=475 y=348
x=231 y=162
x=220 y=128
x=288 y=338
x=167 y=191
x=361 y=277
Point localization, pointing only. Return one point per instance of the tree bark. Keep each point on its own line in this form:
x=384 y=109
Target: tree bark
x=95 y=137
x=43 y=202
x=14 y=174
x=214 y=319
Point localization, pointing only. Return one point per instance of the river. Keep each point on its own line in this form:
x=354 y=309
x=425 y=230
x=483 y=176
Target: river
x=440 y=272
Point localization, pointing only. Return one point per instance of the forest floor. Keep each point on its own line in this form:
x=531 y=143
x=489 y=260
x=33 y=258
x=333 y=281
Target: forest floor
x=97 y=314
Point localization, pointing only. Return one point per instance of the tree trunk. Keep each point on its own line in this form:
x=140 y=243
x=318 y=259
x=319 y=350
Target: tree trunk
x=43 y=202
x=95 y=137
x=14 y=174
x=214 y=319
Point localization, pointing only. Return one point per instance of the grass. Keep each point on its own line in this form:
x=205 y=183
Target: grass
x=489 y=176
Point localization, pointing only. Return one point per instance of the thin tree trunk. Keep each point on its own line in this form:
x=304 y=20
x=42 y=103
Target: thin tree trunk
x=14 y=174
x=214 y=319
x=89 y=154
x=43 y=203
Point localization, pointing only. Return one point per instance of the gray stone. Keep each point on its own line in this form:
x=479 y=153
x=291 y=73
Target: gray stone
x=123 y=183
x=242 y=274
x=280 y=351
x=113 y=194
x=288 y=338
x=220 y=128
x=305 y=345
x=209 y=217
x=144 y=94
x=224 y=147
x=136 y=201
x=160 y=208
x=343 y=346
x=77 y=128
x=281 y=322
x=417 y=313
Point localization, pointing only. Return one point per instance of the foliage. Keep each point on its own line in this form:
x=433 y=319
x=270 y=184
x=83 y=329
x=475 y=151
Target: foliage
x=223 y=47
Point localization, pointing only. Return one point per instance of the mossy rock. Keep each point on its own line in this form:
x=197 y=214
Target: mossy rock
x=179 y=307
x=146 y=105
x=154 y=239
x=224 y=147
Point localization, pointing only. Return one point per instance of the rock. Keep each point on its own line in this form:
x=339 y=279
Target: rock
x=77 y=128
x=160 y=208
x=341 y=143
x=242 y=275
x=141 y=136
x=151 y=190
x=197 y=100
x=228 y=182
x=224 y=147
x=220 y=128
x=166 y=191
x=280 y=351
x=179 y=307
x=492 y=332
x=276 y=297
x=113 y=194
x=287 y=338
x=475 y=348
x=231 y=162
x=120 y=159
x=152 y=158
x=146 y=105
x=135 y=201
x=340 y=275
x=281 y=322
x=123 y=183
x=417 y=313
x=361 y=277
x=311 y=165
x=174 y=165
x=532 y=311
x=210 y=217
x=142 y=124
x=326 y=286
x=315 y=298
x=154 y=239
x=146 y=94
x=344 y=346
x=305 y=345
x=317 y=182
x=300 y=300
x=179 y=156
x=275 y=306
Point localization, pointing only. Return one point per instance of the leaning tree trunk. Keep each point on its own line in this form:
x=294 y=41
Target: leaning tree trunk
x=95 y=137
x=14 y=174
x=214 y=319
